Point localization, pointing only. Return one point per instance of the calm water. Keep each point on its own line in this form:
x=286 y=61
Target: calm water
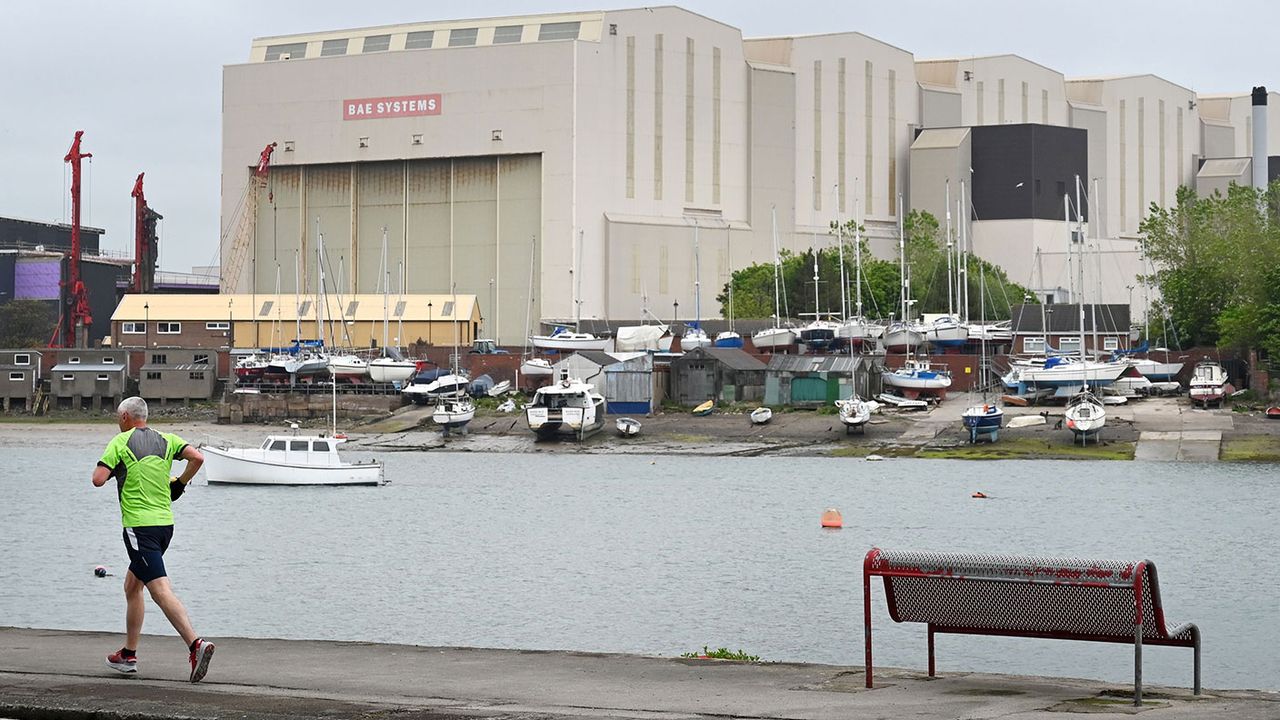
x=654 y=554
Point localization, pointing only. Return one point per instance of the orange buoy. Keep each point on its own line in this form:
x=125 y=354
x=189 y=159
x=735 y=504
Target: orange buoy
x=980 y=495
x=831 y=519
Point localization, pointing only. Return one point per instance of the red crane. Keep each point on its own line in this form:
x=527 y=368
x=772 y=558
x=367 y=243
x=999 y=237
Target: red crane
x=144 y=241
x=78 y=299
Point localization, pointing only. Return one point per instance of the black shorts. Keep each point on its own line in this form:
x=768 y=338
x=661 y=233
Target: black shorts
x=146 y=546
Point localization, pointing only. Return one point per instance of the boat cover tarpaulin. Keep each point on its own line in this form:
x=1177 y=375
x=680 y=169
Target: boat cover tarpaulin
x=638 y=337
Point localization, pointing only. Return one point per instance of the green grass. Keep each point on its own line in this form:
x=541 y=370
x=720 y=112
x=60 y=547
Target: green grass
x=721 y=654
x=1251 y=448
x=1030 y=448
x=692 y=439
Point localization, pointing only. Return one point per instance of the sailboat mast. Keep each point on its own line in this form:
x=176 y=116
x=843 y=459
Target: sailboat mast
x=902 y=263
x=697 y=278
x=577 y=285
x=728 y=249
x=386 y=286
x=319 y=280
x=844 y=278
x=962 y=292
x=777 y=269
x=1066 y=210
x=1080 y=236
x=857 y=259
x=297 y=295
x=951 y=306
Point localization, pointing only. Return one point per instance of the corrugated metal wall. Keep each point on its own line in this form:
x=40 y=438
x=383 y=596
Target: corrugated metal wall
x=469 y=221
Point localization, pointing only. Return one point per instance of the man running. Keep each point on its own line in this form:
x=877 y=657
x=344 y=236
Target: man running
x=140 y=460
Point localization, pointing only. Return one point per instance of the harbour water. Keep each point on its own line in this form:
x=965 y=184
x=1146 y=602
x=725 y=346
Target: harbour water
x=653 y=554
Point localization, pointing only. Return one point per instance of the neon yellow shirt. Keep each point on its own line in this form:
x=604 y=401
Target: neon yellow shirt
x=141 y=460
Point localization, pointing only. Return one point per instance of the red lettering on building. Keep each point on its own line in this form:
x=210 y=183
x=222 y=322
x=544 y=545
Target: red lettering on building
x=389 y=107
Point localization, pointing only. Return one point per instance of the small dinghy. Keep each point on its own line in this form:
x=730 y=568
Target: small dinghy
x=705 y=408
x=628 y=427
x=1273 y=413
x=500 y=389
x=761 y=415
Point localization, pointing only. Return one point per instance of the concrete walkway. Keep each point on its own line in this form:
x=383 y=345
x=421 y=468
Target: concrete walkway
x=1188 y=445
x=50 y=673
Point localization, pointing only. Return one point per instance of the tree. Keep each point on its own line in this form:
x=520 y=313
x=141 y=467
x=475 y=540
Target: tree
x=26 y=324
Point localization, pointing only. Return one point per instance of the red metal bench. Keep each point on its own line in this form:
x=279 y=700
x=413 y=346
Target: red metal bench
x=1041 y=597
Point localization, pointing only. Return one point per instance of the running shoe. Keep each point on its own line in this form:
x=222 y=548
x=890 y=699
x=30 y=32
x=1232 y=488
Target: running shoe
x=121 y=662
x=201 y=654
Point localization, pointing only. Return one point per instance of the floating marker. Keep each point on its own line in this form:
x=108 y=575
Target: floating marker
x=980 y=495
x=100 y=571
x=831 y=519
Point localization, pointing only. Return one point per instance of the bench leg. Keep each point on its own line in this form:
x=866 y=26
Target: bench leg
x=1196 y=635
x=866 y=611
x=1137 y=665
x=931 y=668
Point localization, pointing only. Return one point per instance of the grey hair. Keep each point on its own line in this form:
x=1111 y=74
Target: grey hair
x=135 y=406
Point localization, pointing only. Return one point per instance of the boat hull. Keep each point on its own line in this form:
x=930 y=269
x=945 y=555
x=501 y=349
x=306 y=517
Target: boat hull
x=774 y=338
x=554 y=342
x=391 y=371
x=233 y=466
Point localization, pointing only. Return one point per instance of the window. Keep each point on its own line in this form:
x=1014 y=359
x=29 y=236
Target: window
x=200 y=359
x=74 y=361
x=400 y=306
x=507 y=34
x=304 y=309
x=277 y=445
x=159 y=359
x=22 y=359
x=68 y=378
x=17 y=376
x=333 y=47
x=103 y=378
x=351 y=308
x=169 y=328
x=266 y=308
x=448 y=309
x=153 y=375
x=298 y=445
x=460 y=37
x=1069 y=344
x=288 y=51
x=1111 y=343
x=108 y=361
x=377 y=43
x=224 y=325
x=558 y=31
x=1033 y=345
x=320 y=446
x=133 y=328
x=198 y=375
x=419 y=40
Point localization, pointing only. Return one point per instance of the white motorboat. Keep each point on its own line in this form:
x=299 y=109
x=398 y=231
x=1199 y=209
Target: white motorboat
x=774 y=338
x=535 y=367
x=388 y=369
x=854 y=414
x=569 y=340
x=1085 y=415
x=568 y=409
x=288 y=460
x=1209 y=384
x=454 y=412
x=348 y=367
x=947 y=331
x=917 y=376
x=694 y=337
x=627 y=427
x=761 y=415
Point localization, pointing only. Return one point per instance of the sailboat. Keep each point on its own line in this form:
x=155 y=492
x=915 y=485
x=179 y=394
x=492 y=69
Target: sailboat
x=777 y=336
x=729 y=338
x=344 y=365
x=1086 y=414
x=984 y=419
x=456 y=410
x=858 y=330
x=390 y=366
x=903 y=335
x=855 y=413
x=951 y=330
x=562 y=338
x=915 y=376
x=694 y=336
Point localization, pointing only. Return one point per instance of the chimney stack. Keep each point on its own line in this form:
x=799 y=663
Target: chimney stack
x=1260 y=137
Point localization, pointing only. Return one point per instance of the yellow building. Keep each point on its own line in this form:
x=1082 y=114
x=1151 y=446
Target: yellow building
x=248 y=320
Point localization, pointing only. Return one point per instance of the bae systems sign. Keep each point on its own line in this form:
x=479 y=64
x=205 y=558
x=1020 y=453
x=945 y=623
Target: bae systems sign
x=391 y=107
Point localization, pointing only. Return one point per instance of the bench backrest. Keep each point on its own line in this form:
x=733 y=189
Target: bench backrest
x=1020 y=593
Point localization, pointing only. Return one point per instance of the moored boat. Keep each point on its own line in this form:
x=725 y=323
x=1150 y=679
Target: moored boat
x=288 y=460
x=455 y=412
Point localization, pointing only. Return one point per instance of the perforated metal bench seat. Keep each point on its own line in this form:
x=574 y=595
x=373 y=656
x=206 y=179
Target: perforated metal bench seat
x=1026 y=596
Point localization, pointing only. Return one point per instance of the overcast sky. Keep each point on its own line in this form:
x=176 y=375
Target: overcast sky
x=144 y=79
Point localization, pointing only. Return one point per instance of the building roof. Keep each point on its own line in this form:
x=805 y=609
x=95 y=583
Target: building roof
x=87 y=367
x=732 y=358
x=815 y=363
x=598 y=357
x=1001 y=56
x=1224 y=167
x=940 y=138
x=177 y=366
x=1065 y=318
x=245 y=307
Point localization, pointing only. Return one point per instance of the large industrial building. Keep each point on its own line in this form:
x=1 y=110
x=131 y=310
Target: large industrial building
x=562 y=165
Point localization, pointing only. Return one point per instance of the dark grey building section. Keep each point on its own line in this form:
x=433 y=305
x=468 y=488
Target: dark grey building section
x=1022 y=171
x=27 y=234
